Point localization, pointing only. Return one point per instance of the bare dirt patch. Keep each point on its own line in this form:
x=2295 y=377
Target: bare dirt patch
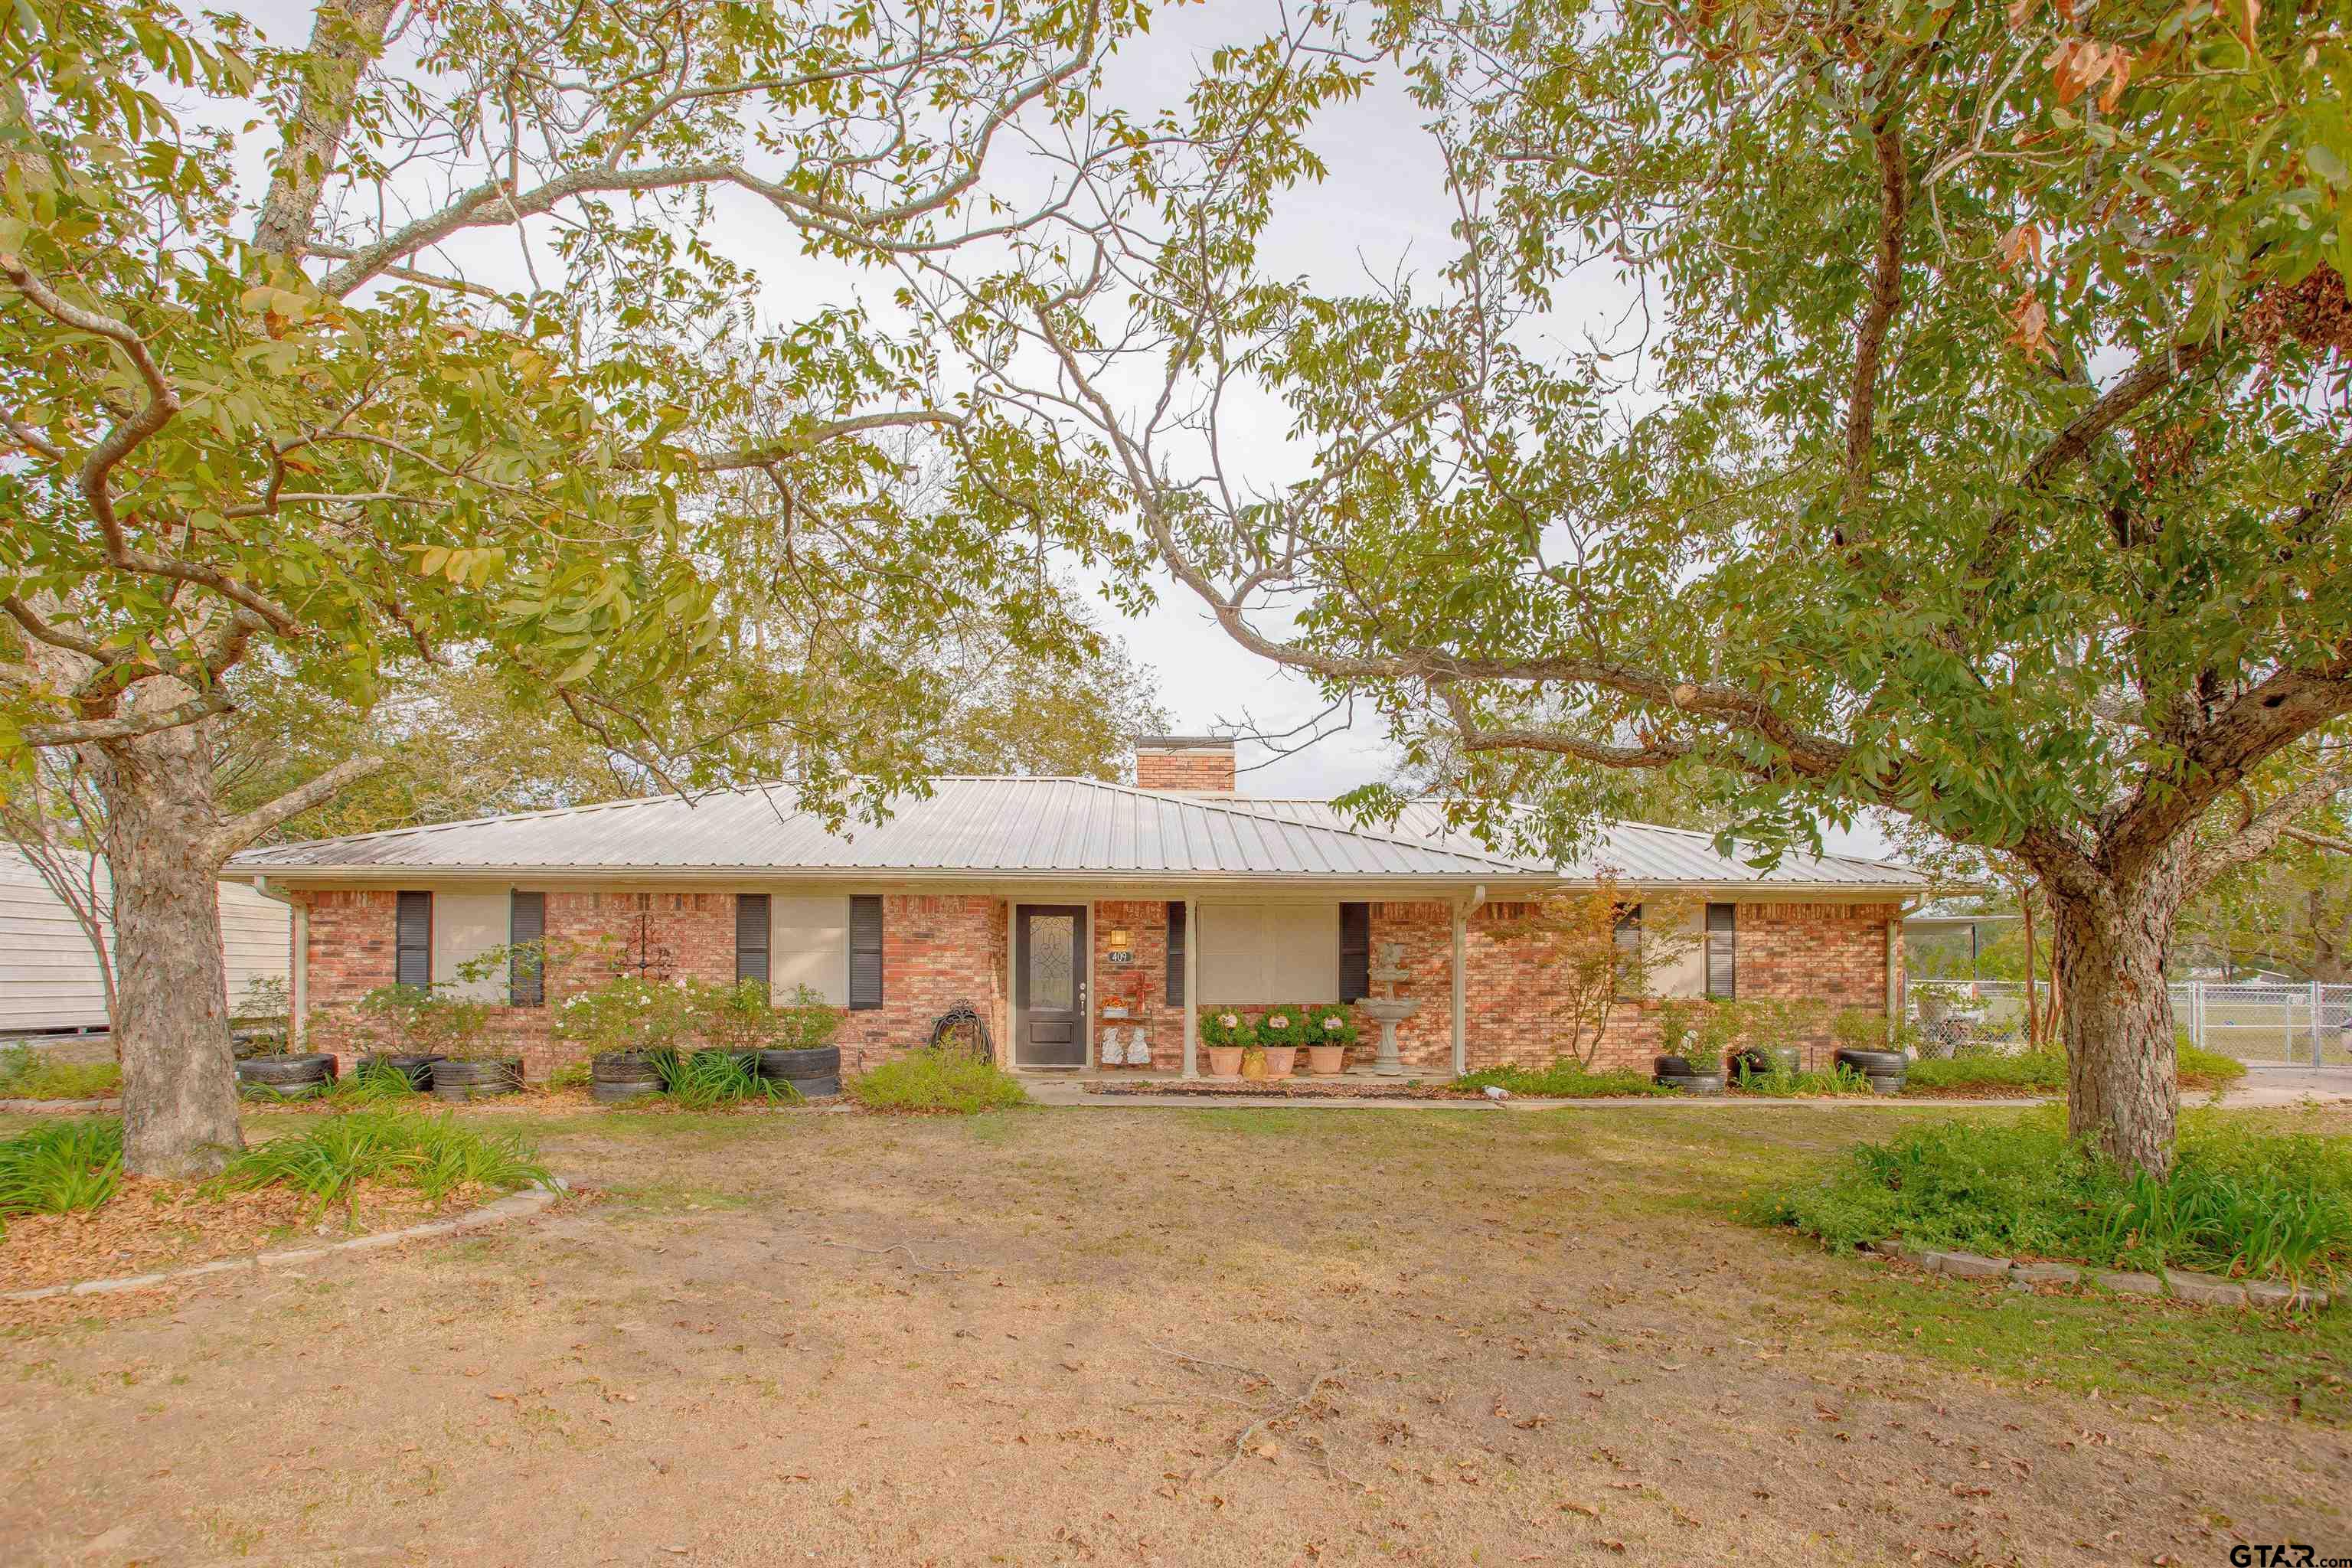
x=1201 y=1337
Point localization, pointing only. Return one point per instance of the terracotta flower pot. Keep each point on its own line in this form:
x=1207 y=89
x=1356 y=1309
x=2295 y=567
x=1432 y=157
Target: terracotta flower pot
x=1324 y=1061
x=1281 y=1061
x=1224 y=1061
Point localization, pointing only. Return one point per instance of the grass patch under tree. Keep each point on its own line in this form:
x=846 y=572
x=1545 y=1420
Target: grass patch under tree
x=27 y=1074
x=2240 y=1201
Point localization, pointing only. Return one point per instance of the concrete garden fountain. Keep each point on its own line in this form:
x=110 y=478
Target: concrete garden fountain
x=1390 y=1010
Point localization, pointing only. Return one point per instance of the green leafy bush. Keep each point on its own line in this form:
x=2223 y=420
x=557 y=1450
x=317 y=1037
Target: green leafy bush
x=627 y=1013
x=26 y=1074
x=936 y=1080
x=1564 y=1079
x=1282 y=1025
x=1329 y=1024
x=60 y=1167
x=1228 y=1026
x=434 y=1155
x=2239 y=1201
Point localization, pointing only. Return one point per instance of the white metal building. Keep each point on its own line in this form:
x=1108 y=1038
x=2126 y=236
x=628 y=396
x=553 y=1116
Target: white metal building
x=49 y=980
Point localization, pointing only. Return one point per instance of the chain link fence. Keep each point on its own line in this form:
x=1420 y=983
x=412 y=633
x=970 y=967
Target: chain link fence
x=2261 y=1025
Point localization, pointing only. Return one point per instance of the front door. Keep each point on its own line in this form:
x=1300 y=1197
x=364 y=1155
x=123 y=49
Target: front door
x=1049 y=977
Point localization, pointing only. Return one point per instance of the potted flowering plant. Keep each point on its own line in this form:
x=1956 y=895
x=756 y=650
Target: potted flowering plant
x=625 y=1023
x=1329 y=1032
x=1280 y=1029
x=1228 y=1035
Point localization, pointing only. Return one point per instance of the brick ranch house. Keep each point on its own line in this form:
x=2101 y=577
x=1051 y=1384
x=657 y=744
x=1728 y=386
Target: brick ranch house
x=1039 y=901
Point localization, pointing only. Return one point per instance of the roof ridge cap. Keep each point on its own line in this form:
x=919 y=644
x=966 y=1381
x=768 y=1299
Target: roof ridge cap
x=1234 y=805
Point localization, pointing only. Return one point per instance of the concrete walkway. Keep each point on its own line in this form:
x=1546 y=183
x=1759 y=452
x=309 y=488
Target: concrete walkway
x=2261 y=1088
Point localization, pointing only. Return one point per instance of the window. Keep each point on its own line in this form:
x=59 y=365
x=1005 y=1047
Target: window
x=1175 y=992
x=1355 y=952
x=1254 y=953
x=865 y=951
x=751 y=937
x=1629 y=945
x=808 y=944
x=526 y=950
x=1723 y=950
x=411 y=942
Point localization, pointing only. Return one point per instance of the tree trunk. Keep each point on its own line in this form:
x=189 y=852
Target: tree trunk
x=2116 y=1012
x=179 y=1078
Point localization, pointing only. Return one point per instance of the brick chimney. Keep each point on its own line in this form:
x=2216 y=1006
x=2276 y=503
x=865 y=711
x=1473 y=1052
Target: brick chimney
x=1199 y=764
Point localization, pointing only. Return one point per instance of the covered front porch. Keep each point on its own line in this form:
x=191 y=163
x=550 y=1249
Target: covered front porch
x=1114 y=983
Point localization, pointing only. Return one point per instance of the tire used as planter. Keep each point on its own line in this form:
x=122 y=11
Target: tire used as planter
x=1757 y=1060
x=417 y=1069
x=1679 y=1072
x=288 y=1077
x=615 y=1076
x=1884 y=1069
x=476 y=1078
x=816 y=1073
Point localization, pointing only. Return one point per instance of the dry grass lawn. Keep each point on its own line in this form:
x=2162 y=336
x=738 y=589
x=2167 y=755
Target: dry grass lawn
x=1164 y=1336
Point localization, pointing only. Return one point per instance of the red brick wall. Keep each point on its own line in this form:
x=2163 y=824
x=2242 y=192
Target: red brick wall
x=1209 y=771
x=940 y=949
x=1832 y=954
x=1146 y=921
x=935 y=952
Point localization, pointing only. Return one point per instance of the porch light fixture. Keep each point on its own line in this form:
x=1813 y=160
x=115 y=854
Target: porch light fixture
x=1121 y=948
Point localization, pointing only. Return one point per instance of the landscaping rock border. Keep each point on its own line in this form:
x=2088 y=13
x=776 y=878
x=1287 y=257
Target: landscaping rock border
x=514 y=1206
x=2181 y=1284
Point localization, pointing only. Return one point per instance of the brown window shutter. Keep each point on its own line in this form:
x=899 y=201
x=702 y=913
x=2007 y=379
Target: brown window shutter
x=865 y=951
x=526 y=950
x=1355 y=952
x=1723 y=950
x=1175 y=952
x=751 y=937
x=411 y=941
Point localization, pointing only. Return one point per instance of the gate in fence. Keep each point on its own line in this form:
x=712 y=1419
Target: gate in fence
x=2261 y=1025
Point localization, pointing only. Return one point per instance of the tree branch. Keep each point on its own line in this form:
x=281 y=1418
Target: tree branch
x=2259 y=833
x=126 y=726
x=239 y=831
x=1885 y=298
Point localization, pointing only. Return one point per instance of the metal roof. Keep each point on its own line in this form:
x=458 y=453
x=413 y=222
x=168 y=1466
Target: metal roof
x=1054 y=827
x=1641 y=853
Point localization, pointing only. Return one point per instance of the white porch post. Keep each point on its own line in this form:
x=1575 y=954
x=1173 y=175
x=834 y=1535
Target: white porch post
x=1192 y=991
x=297 y=1001
x=1461 y=989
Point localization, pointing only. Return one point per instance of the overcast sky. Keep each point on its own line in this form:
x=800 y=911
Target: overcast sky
x=1382 y=212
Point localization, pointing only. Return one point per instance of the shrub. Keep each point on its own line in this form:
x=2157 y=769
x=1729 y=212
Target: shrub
x=373 y=1083
x=60 y=1167
x=434 y=1155
x=1228 y=1026
x=807 y=1022
x=2239 y=1201
x=1328 y=1024
x=1282 y=1025
x=425 y=1020
x=939 y=1081
x=627 y=1013
x=1566 y=1078
x=26 y=1074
